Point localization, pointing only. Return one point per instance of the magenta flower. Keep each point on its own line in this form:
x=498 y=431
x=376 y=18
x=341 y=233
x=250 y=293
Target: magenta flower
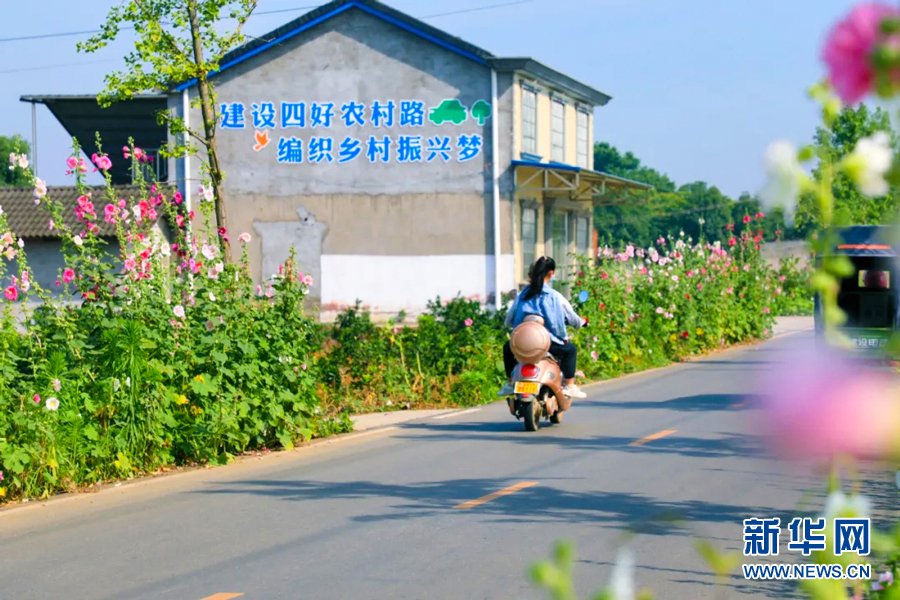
x=849 y=47
x=37 y=398
x=68 y=276
x=468 y=322
x=11 y=293
x=820 y=404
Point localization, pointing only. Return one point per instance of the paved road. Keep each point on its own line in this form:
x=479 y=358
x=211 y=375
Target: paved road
x=374 y=517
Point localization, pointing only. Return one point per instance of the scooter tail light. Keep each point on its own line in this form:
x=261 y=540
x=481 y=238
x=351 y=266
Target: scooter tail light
x=529 y=370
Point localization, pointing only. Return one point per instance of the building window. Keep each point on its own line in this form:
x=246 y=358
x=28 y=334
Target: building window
x=529 y=238
x=557 y=241
x=558 y=131
x=582 y=236
x=584 y=149
x=155 y=169
x=529 y=120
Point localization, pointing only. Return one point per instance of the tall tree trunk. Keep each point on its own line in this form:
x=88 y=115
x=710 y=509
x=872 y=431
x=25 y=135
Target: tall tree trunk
x=209 y=128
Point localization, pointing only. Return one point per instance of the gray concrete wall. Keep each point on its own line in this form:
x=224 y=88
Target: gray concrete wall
x=773 y=252
x=45 y=260
x=357 y=208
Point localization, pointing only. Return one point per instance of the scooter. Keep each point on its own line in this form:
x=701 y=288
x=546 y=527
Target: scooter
x=537 y=379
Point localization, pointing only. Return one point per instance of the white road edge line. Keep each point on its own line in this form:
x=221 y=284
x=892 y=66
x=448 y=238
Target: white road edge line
x=353 y=436
x=457 y=414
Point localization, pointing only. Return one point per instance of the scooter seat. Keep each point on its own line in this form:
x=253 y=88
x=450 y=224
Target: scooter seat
x=550 y=357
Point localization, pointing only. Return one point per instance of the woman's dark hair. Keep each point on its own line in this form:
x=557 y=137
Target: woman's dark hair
x=536 y=275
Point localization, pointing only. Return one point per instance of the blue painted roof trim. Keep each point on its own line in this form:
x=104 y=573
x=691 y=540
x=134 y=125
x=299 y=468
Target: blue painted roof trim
x=563 y=167
x=318 y=21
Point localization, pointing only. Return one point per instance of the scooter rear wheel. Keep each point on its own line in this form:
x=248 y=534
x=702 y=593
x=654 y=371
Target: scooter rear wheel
x=556 y=418
x=532 y=415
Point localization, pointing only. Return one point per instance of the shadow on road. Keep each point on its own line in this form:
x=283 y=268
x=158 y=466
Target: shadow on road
x=546 y=503
x=700 y=402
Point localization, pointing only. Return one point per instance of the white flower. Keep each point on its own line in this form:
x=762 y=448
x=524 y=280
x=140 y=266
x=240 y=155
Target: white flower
x=208 y=251
x=78 y=241
x=23 y=161
x=128 y=382
x=659 y=310
x=212 y=297
x=1 y=210
x=21 y=243
x=136 y=209
x=40 y=189
x=784 y=176
x=116 y=385
x=219 y=267
x=206 y=193
x=840 y=505
x=52 y=403
x=178 y=311
x=868 y=163
x=212 y=274
x=621 y=584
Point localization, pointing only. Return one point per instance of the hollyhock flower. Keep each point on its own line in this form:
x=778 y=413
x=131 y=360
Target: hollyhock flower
x=212 y=274
x=77 y=240
x=222 y=231
x=56 y=385
x=784 y=178
x=20 y=243
x=178 y=311
x=699 y=286
x=869 y=162
x=209 y=252
x=766 y=310
x=849 y=47
x=179 y=220
x=270 y=292
x=71 y=162
x=468 y=322
x=259 y=290
x=659 y=310
x=11 y=293
x=52 y=403
x=244 y=237
x=307 y=280
x=746 y=219
x=818 y=403
x=212 y=297
x=177 y=198
x=37 y=398
x=40 y=190
x=68 y=276
x=206 y=194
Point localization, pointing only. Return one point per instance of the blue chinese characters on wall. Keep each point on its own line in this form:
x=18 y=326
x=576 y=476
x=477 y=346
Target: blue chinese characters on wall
x=321 y=118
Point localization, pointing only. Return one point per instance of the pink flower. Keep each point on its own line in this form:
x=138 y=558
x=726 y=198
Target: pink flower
x=178 y=311
x=849 y=47
x=782 y=278
x=68 y=276
x=766 y=310
x=37 y=398
x=179 y=220
x=130 y=264
x=103 y=163
x=11 y=293
x=468 y=322
x=56 y=385
x=699 y=286
x=746 y=219
x=818 y=404
x=177 y=198
x=244 y=237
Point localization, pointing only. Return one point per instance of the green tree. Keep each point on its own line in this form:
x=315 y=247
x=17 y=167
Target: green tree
x=851 y=125
x=13 y=177
x=176 y=41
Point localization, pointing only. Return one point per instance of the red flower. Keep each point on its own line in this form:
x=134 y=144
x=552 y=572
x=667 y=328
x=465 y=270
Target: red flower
x=760 y=215
x=604 y=276
x=687 y=296
x=732 y=242
x=602 y=306
x=684 y=334
x=730 y=227
x=746 y=219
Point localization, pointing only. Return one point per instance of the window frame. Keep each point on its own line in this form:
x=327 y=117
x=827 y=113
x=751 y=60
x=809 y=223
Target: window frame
x=583 y=146
x=529 y=207
x=557 y=151
x=529 y=143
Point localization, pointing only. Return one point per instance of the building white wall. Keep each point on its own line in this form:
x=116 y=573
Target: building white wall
x=394 y=283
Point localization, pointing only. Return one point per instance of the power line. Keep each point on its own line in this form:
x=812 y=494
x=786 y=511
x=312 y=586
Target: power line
x=44 y=68
x=256 y=13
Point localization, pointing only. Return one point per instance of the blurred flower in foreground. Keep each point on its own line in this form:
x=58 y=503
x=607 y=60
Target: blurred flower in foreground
x=621 y=584
x=820 y=404
x=869 y=162
x=849 y=48
x=784 y=177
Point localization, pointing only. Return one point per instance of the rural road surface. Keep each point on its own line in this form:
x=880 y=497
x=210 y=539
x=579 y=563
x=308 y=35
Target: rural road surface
x=408 y=513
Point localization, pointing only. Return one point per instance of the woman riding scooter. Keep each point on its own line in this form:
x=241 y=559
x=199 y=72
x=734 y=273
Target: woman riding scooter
x=541 y=299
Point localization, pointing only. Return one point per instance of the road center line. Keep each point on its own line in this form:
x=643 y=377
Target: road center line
x=650 y=438
x=457 y=414
x=222 y=596
x=504 y=492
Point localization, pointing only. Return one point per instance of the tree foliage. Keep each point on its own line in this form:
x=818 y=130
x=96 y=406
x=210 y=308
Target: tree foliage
x=16 y=177
x=176 y=41
x=851 y=125
x=698 y=209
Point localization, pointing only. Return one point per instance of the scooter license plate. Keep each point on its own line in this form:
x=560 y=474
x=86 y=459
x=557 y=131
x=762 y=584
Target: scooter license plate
x=527 y=387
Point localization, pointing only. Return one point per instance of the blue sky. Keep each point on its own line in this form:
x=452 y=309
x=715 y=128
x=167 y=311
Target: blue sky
x=699 y=87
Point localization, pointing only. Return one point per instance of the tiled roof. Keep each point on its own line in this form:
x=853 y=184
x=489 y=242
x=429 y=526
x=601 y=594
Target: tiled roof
x=28 y=220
